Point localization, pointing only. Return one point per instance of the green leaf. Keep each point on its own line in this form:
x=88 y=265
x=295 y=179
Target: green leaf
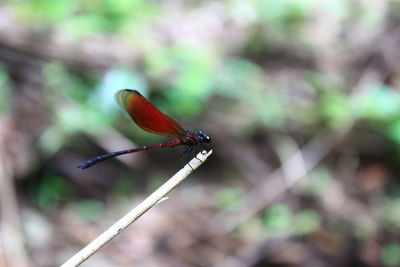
x=278 y=218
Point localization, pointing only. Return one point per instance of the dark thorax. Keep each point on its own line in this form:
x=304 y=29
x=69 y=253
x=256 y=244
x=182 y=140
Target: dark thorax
x=191 y=138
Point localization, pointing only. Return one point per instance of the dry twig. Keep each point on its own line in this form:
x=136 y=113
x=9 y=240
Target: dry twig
x=149 y=202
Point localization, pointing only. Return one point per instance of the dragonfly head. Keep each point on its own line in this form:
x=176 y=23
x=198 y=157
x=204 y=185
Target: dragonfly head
x=204 y=137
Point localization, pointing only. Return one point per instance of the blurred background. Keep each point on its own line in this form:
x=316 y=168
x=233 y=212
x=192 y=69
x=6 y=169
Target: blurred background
x=300 y=98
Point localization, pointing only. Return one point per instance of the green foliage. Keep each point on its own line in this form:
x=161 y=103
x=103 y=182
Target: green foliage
x=366 y=228
x=307 y=221
x=228 y=198
x=190 y=71
x=335 y=108
x=75 y=109
x=238 y=75
x=52 y=140
x=264 y=106
x=188 y=74
x=391 y=214
x=5 y=90
x=381 y=103
x=74 y=85
x=286 y=15
x=390 y=254
x=83 y=18
x=45 y=12
x=50 y=191
x=278 y=219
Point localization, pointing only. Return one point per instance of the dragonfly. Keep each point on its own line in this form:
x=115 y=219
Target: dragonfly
x=150 y=119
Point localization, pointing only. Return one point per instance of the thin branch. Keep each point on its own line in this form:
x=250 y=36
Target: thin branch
x=156 y=197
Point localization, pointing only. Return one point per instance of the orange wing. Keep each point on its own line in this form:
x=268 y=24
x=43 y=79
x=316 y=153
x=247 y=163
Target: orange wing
x=147 y=116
